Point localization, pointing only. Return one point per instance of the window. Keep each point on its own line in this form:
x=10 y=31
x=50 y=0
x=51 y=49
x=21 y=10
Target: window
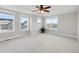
x=51 y=23
x=6 y=22
x=48 y=23
x=24 y=22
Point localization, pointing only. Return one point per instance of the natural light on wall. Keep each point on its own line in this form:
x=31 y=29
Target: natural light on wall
x=39 y=20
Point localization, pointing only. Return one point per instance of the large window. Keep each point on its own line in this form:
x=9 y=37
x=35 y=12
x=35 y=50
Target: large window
x=52 y=23
x=24 y=20
x=6 y=22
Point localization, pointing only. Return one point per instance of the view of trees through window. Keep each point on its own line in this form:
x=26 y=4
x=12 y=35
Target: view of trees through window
x=24 y=22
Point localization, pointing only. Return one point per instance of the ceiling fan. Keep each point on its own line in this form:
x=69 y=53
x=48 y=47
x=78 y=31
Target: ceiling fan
x=42 y=9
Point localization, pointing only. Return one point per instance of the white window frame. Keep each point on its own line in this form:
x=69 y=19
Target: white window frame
x=27 y=22
x=10 y=13
x=51 y=24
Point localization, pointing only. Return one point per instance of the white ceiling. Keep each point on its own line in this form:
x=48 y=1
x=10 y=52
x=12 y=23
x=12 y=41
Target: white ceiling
x=54 y=10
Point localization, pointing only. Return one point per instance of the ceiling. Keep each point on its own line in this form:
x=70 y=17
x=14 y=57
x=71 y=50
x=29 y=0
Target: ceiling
x=54 y=10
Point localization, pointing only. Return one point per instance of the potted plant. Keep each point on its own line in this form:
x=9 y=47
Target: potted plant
x=42 y=30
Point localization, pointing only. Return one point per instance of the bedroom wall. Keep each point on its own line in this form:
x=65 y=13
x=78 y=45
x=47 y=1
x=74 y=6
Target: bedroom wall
x=78 y=25
x=67 y=25
x=33 y=26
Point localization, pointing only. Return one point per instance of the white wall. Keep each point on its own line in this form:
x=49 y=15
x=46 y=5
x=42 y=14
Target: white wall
x=33 y=26
x=67 y=25
x=78 y=25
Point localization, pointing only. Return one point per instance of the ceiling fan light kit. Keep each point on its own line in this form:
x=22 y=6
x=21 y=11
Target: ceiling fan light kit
x=41 y=12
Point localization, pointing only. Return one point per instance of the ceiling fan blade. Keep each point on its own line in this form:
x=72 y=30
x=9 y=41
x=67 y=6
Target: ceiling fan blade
x=47 y=7
x=37 y=6
x=46 y=10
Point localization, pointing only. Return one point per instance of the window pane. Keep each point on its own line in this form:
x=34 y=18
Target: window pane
x=48 y=21
x=49 y=26
x=5 y=16
x=54 y=25
x=24 y=20
x=52 y=22
x=6 y=22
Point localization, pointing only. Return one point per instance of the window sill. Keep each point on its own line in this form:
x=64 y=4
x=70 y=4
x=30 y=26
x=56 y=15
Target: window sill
x=24 y=29
x=53 y=29
x=4 y=32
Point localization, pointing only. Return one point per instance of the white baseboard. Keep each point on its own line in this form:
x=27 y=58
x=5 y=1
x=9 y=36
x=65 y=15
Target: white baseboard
x=64 y=35
x=14 y=36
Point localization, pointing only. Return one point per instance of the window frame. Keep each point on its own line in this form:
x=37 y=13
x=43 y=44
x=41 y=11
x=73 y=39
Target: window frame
x=51 y=23
x=22 y=14
x=4 y=11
